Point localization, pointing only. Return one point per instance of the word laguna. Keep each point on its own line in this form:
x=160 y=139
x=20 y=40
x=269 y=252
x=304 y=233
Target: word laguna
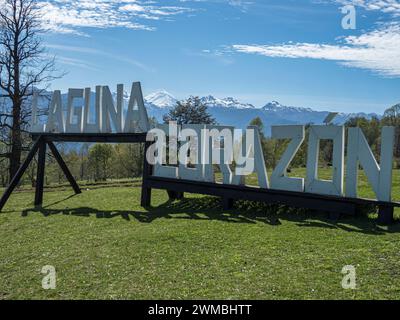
x=107 y=116
x=193 y=151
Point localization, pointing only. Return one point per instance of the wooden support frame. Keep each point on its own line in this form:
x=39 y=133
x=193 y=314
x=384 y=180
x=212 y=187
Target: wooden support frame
x=44 y=140
x=334 y=205
x=177 y=187
x=15 y=180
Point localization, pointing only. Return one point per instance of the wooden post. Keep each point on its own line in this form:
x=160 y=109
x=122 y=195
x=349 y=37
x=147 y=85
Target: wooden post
x=15 y=180
x=147 y=172
x=385 y=215
x=64 y=167
x=40 y=173
x=227 y=203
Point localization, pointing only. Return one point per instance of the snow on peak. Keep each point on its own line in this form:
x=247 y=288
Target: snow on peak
x=229 y=102
x=276 y=106
x=161 y=99
x=273 y=105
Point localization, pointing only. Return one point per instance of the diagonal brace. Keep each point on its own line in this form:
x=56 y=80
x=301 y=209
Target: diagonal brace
x=64 y=167
x=16 y=179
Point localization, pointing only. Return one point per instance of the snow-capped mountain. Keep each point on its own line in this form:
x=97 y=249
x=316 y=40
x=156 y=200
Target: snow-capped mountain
x=277 y=107
x=161 y=99
x=229 y=111
x=229 y=102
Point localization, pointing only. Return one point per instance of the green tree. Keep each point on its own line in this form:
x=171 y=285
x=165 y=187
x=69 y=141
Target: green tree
x=24 y=67
x=190 y=111
x=99 y=161
x=257 y=122
x=127 y=160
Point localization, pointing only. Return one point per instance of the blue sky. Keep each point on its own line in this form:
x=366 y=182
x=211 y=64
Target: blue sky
x=293 y=51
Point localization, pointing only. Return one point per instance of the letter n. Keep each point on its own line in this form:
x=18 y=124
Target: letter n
x=359 y=152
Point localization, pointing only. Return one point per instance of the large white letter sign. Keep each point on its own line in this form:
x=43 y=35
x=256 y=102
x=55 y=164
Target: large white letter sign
x=88 y=126
x=136 y=119
x=218 y=150
x=161 y=167
x=279 y=180
x=358 y=151
x=36 y=126
x=110 y=113
x=252 y=157
x=190 y=153
x=313 y=184
x=55 y=121
x=73 y=111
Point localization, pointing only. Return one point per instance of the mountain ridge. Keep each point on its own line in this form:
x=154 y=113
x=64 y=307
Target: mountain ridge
x=230 y=111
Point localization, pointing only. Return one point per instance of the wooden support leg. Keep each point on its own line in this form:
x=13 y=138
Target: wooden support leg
x=227 y=203
x=146 y=197
x=64 y=168
x=147 y=172
x=15 y=180
x=40 y=174
x=385 y=215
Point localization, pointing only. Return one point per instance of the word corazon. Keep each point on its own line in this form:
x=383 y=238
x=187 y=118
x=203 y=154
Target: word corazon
x=194 y=150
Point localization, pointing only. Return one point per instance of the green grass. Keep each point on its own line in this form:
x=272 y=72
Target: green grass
x=105 y=246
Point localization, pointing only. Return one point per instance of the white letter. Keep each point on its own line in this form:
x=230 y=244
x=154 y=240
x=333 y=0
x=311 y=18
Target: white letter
x=380 y=177
x=87 y=125
x=159 y=151
x=136 y=120
x=218 y=150
x=313 y=184
x=73 y=111
x=190 y=152
x=36 y=126
x=279 y=180
x=253 y=159
x=110 y=113
x=55 y=121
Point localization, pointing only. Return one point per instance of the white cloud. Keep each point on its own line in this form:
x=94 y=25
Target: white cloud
x=108 y=55
x=386 y=6
x=69 y=16
x=377 y=51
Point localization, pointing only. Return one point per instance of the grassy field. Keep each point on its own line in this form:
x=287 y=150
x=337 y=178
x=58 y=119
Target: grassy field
x=104 y=245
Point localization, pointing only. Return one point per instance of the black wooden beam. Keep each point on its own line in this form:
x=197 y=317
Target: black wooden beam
x=296 y=199
x=16 y=179
x=385 y=214
x=40 y=173
x=227 y=203
x=64 y=167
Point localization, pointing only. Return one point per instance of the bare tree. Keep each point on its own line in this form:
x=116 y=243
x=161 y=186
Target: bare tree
x=24 y=67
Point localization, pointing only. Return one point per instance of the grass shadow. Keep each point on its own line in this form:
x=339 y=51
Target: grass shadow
x=209 y=208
